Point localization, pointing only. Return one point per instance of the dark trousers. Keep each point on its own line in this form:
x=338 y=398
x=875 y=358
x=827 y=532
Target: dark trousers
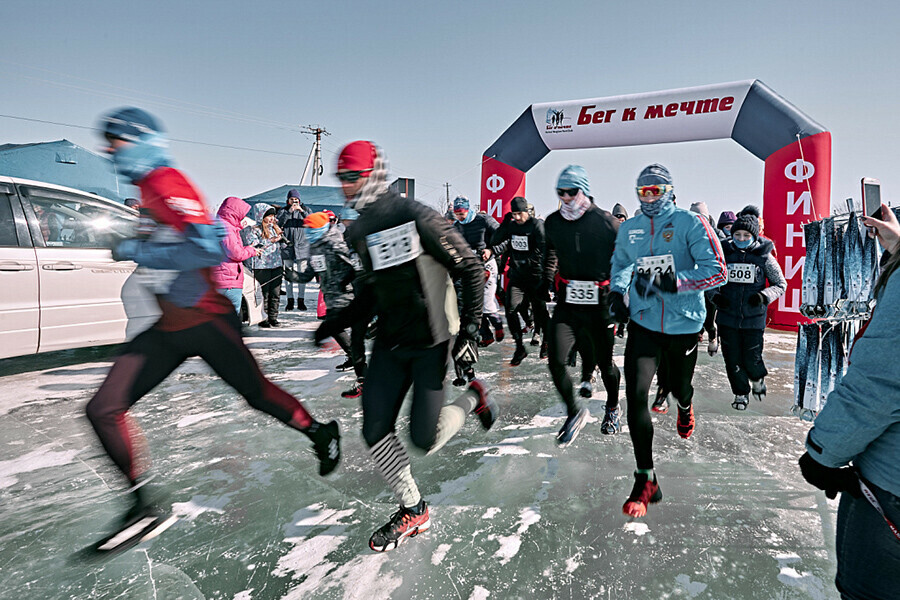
x=517 y=294
x=391 y=373
x=742 y=351
x=270 y=282
x=150 y=357
x=643 y=352
x=582 y=326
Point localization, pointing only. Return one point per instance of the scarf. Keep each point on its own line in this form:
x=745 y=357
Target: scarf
x=314 y=235
x=574 y=209
x=375 y=185
x=136 y=160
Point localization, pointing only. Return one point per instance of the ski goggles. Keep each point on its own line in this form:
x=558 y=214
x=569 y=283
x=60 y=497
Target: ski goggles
x=653 y=190
x=351 y=176
x=567 y=192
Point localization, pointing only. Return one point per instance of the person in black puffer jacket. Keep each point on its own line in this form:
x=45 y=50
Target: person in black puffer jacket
x=296 y=251
x=409 y=253
x=754 y=281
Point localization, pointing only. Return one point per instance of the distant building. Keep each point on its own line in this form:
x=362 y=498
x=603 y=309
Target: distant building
x=316 y=197
x=64 y=163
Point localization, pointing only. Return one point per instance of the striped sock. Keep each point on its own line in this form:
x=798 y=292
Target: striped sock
x=452 y=418
x=393 y=464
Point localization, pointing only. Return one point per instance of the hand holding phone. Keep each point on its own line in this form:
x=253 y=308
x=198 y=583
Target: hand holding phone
x=887 y=230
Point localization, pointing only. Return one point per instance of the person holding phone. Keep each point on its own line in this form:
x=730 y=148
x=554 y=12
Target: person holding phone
x=854 y=443
x=268 y=265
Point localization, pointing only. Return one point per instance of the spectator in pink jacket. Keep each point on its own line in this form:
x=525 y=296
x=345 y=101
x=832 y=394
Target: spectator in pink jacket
x=228 y=277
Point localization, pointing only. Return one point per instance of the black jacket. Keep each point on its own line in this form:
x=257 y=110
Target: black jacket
x=478 y=232
x=580 y=249
x=291 y=224
x=407 y=252
x=525 y=245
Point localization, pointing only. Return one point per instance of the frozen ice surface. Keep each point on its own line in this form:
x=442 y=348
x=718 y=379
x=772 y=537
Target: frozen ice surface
x=513 y=516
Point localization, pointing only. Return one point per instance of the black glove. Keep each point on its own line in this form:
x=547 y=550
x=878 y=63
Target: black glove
x=543 y=291
x=721 y=301
x=758 y=299
x=843 y=479
x=617 y=308
x=465 y=348
x=652 y=285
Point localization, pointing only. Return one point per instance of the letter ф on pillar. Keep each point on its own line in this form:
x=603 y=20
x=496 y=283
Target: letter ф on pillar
x=797 y=190
x=500 y=183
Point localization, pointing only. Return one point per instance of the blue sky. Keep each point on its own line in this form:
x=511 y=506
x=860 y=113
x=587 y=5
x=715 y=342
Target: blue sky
x=436 y=84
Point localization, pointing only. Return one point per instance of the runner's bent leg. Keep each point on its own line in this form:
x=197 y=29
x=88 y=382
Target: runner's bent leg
x=147 y=360
x=681 y=357
x=562 y=336
x=603 y=340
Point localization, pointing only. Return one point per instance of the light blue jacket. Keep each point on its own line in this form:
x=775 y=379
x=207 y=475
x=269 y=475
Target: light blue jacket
x=861 y=419
x=699 y=265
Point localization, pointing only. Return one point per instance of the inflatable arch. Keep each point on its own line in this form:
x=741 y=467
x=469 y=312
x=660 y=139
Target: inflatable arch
x=796 y=151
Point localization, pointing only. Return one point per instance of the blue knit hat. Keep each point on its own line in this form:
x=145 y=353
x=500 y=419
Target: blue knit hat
x=461 y=202
x=574 y=176
x=293 y=193
x=129 y=124
x=654 y=174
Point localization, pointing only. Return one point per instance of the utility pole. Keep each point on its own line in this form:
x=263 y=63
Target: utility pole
x=447 y=185
x=315 y=155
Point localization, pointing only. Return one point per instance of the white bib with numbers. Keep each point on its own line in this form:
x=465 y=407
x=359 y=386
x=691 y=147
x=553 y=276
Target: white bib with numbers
x=582 y=292
x=317 y=261
x=394 y=246
x=519 y=242
x=655 y=265
x=741 y=273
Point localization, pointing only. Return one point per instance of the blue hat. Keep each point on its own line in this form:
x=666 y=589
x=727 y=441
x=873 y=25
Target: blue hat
x=654 y=174
x=292 y=193
x=461 y=202
x=129 y=124
x=574 y=176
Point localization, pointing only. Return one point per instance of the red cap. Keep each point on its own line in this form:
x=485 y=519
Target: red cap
x=331 y=216
x=357 y=156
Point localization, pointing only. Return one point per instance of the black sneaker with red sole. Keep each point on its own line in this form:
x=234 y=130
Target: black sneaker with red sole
x=405 y=523
x=485 y=407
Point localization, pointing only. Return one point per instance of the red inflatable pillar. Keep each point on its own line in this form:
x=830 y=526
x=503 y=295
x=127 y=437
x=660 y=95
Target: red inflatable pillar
x=797 y=190
x=500 y=183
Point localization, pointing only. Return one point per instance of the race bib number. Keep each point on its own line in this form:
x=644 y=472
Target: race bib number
x=394 y=246
x=317 y=262
x=741 y=273
x=655 y=265
x=582 y=292
x=520 y=243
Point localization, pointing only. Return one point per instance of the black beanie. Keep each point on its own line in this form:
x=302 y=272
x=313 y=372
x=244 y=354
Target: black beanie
x=518 y=204
x=747 y=223
x=751 y=210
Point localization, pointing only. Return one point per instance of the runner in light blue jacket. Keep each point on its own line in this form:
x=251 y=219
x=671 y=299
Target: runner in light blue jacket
x=664 y=258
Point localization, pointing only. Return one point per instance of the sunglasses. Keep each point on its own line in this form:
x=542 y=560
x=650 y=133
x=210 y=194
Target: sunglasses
x=351 y=176
x=570 y=192
x=653 y=190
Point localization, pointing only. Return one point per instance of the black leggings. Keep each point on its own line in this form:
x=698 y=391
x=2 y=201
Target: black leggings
x=150 y=357
x=643 y=352
x=516 y=296
x=391 y=373
x=584 y=327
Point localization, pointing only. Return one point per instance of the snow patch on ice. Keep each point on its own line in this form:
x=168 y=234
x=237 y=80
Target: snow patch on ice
x=306 y=375
x=361 y=579
x=508 y=447
x=544 y=455
x=41 y=458
x=439 y=554
x=308 y=553
x=541 y=421
x=791 y=577
x=198 y=505
x=245 y=595
x=491 y=513
x=637 y=528
x=572 y=563
x=479 y=593
x=694 y=588
x=326 y=517
x=510 y=544
x=190 y=420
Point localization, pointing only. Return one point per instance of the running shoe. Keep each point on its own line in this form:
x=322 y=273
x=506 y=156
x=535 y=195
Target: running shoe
x=326 y=441
x=713 y=346
x=141 y=523
x=485 y=342
x=353 y=392
x=518 y=356
x=536 y=339
x=661 y=404
x=740 y=402
x=610 y=425
x=544 y=350
x=485 y=407
x=406 y=522
x=499 y=334
x=345 y=366
x=685 y=423
x=571 y=427
x=758 y=389
x=586 y=390
x=643 y=493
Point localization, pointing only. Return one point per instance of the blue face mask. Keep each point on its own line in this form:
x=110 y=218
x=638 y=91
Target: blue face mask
x=742 y=244
x=136 y=160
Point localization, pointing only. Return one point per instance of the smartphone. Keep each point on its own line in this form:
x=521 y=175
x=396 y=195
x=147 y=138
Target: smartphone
x=871 y=195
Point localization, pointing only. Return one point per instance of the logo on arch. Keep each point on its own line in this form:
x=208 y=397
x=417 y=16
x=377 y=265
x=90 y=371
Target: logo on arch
x=557 y=121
